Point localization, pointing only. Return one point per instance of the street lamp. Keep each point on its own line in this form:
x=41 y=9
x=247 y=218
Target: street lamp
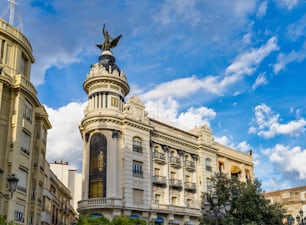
x=300 y=218
x=213 y=210
x=12 y=186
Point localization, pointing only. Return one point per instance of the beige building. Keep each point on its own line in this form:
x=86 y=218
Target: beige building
x=293 y=200
x=23 y=129
x=140 y=167
x=70 y=178
x=57 y=208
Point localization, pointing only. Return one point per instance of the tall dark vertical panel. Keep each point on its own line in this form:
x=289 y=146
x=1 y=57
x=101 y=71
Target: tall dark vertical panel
x=97 y=163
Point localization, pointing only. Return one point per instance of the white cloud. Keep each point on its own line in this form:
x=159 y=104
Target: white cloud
x=288 y=4
x=289 y=160
x=297 y=29
x=267 y=124
x=166 y=109
x=260 y=81
x=246 y=63
x=262 y=9
x=293 y=56
x=64 y=139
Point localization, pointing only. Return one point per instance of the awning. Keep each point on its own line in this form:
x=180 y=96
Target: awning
x=189 y=223
x=96 y=215
x=175 y=221
x=159 y=219
x=134 y=216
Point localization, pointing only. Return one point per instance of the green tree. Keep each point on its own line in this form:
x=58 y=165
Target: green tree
x=4 y=222
x=124 y=220
x=248 y=206
x=88 y=220
x=119 y=220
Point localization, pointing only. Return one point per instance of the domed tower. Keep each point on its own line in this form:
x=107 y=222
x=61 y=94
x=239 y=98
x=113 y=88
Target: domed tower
x=106 y=86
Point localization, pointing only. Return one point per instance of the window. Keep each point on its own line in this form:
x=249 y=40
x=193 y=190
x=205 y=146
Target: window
x=208 y=164
x=187 y=178
x=173 y=175
x=137 y=169
x=137 y=145
x=96 y=188
x=19 y=213
x=23 y=64
x=22 y=183
x=157 y=198
x=27 y=111
x=114 y=101
x=25 y=142
x=43 y=134
x=137 y=196
x=2 y=50
x=8 y=54
x=174 y=200
x=209 y=185
x=189 y=202
x=156 y=171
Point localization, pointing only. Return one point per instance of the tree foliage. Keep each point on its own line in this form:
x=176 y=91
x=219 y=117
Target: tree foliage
x=248 y=206
x=119 y=220
x=4 y=222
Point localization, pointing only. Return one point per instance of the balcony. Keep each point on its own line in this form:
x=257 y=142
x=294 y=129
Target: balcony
x=160 y=181
x=190 y=186
x=159 y=158
x=97 y=203
x=175 y=183
x=175 y=162
x=189 y=165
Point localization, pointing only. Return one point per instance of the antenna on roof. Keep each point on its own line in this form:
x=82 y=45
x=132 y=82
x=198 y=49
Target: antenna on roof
x=11 y=7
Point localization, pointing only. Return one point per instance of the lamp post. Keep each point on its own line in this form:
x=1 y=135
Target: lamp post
x=12 y=186
x=300 y=219
x=213 y=209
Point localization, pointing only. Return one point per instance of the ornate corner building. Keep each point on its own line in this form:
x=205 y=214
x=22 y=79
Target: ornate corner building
x=137 y=166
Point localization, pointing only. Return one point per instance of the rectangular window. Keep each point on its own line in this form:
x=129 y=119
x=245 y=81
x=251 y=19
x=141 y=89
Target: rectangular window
x=137 y=196
x=27 y=111
x=189 y=202
x=43 y=134
x=187 y=178
x=114 y=101
x=157 y=198
x=2 y=50
x=22 y=183
x=173 y=175
x=25 y=142
x=174 y=200
x=157 y=172
x=8 y=54
x=137 y=145
x=23 y=64
x=137 y=169
x=19 y=213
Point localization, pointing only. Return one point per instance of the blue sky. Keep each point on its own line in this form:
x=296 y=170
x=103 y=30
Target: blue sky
x=238 y=66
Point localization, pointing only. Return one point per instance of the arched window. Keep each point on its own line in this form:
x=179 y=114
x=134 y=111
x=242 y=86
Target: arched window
x=208 y=164
x=97 y=171
x=137 y=144
x=235 y=172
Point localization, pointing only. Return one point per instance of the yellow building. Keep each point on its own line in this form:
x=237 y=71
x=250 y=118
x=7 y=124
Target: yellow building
x=140 y=167
x=293 y=200
x=23 y=129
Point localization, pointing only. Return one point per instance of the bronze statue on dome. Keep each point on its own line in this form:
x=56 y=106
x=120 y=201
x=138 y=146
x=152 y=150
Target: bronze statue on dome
x=109 y=42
